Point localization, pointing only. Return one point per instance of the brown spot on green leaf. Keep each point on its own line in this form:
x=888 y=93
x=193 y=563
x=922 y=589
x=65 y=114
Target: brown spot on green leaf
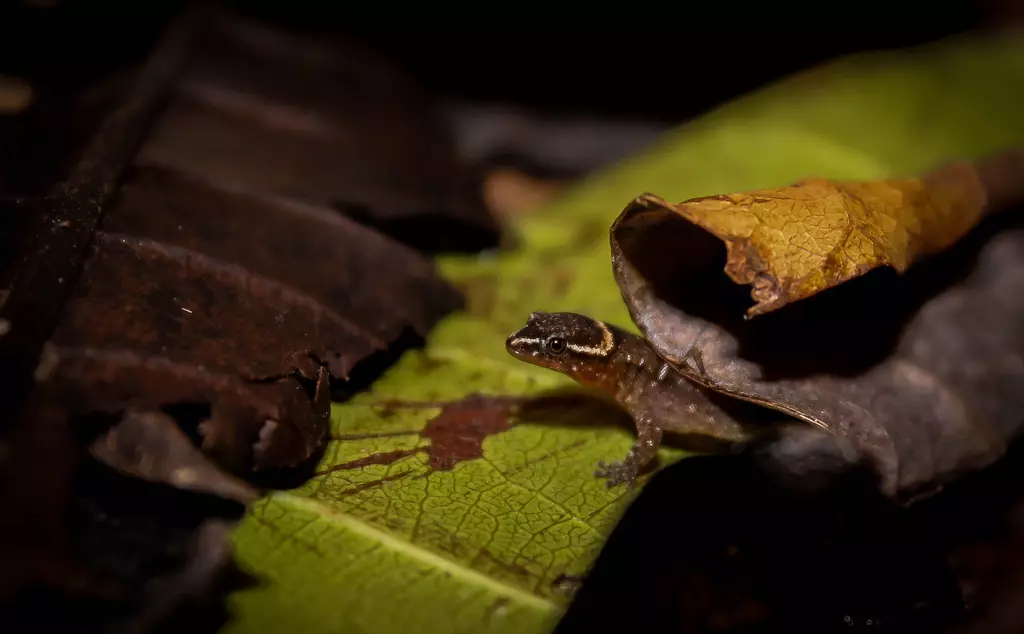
x=372 y=484
x=459 y=431
x=382 y=458
x=456 y=434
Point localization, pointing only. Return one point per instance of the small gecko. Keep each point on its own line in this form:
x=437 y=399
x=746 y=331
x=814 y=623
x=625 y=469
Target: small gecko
x=624 y=366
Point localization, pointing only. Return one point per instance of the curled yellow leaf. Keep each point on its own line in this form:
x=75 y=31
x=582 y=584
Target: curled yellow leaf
x=792 y=242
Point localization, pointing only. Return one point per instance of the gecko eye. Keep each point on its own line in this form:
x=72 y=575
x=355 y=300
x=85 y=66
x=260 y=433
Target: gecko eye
x=556 y=346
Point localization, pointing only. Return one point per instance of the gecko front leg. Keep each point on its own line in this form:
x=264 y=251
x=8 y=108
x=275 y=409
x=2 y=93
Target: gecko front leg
x=643 y=452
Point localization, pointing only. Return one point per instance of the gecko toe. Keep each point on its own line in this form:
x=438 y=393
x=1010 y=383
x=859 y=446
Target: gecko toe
x=615 y=473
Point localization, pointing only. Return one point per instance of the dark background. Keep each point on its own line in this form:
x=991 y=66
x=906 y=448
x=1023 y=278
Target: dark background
x=639 y=64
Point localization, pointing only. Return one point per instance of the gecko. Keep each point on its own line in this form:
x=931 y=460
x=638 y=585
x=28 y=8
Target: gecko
x=625 y=367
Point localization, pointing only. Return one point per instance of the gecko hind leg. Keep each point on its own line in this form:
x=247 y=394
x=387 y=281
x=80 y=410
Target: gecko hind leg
x=643 y=452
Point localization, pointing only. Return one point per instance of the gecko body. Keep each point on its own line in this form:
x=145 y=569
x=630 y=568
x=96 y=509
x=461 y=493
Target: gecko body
x=626 y=368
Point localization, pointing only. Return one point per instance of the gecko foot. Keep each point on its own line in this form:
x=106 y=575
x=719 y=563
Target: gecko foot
x=617 y=473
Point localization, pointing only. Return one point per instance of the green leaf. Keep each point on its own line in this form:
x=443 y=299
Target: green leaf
x=476 y=532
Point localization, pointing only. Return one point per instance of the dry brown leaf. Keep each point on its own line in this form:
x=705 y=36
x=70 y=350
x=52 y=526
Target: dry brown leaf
x=792 y=242
x=508 y=192
x=920 y=371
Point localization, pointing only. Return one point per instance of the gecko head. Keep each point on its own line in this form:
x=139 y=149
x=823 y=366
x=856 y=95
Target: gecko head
x=564 y=342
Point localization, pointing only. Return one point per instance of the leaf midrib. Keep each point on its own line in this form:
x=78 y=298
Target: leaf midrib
x=421 y=554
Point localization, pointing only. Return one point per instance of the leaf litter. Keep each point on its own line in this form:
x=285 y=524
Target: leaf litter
x=430 y=541
x=142 y=324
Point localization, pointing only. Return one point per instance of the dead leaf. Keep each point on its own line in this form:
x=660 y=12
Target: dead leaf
x=323 y=121
x=509 y=192
x=165 y=552
x=180 y=287
x=151 y=446
x=213 y=300
x=792 y=242
x=920 y=371
x=171 y=601
x=37 y=461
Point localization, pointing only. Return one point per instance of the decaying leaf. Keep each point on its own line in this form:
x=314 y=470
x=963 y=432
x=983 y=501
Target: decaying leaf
x=171 y=601
x=151 y=446
x=509 y=192
x=162 y=553
x=163 y=286
x=37 y=463
x=795 y=241
x=321 y=121
x=921 y=371
x=193 y=320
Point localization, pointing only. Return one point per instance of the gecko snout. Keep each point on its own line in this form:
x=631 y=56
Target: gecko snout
x=513 y=344
x=522 y=344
